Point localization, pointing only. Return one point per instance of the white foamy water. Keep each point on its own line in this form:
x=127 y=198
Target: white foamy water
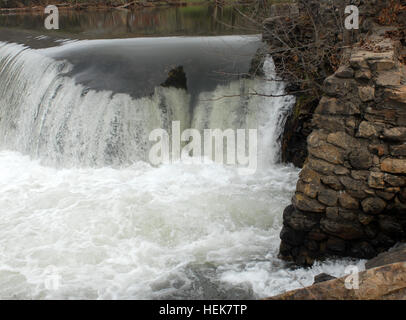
x=83 y=216
x=139 y=233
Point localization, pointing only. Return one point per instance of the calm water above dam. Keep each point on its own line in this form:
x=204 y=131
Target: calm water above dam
x=146 y=22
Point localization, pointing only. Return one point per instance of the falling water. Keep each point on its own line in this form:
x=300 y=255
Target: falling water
x=81 y=207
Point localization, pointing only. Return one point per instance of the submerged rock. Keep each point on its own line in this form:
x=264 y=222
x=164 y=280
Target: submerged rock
x=176 y=78
x=323 y=277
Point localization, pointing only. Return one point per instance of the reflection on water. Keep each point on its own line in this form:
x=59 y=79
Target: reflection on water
x=160 y=21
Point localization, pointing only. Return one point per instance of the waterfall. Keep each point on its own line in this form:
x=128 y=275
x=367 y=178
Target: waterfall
x=45 y=113
x=80 y=204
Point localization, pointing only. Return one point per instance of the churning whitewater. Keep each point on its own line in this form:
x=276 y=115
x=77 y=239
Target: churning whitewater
x=83 y=215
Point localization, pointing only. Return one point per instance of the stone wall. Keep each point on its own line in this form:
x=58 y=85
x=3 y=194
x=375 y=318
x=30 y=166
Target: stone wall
x=288 y=28
x=350 y=199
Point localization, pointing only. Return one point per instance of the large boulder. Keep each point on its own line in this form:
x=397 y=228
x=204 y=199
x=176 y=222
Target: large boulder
x=396 y=254
x=386 y=282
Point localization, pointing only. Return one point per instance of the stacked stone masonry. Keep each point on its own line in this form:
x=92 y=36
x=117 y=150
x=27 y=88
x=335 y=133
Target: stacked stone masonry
x=350 y=199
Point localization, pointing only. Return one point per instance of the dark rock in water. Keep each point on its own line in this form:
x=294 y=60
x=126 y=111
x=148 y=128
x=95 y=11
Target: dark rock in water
x=396 y=254
x=323 y=277
x=176 y=79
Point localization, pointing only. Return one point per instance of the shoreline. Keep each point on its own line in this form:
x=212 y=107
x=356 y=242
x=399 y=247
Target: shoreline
x=116 y=5
x=93 y=6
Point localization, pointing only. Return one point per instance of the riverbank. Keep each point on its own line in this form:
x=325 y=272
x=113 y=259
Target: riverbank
x=17 y=7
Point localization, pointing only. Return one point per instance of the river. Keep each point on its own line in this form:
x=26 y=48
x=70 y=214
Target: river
x=84 y=214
